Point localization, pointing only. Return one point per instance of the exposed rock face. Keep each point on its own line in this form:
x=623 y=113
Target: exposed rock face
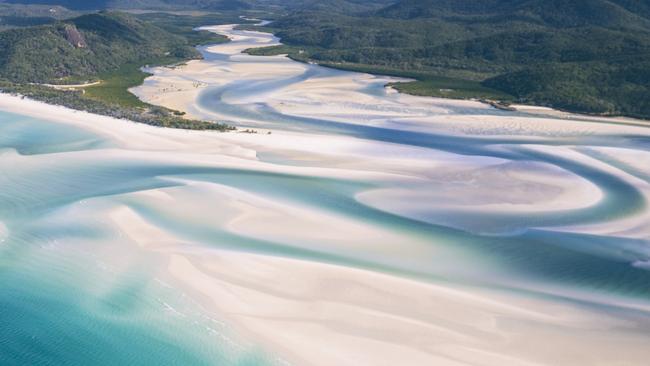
x=74 y=37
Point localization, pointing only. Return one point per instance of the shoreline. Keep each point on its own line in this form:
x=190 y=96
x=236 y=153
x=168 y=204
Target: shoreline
x=319 y=314
x=315 y=312
x=534 y=109
x=182 y=100
x=352 y=317
x=299 y=316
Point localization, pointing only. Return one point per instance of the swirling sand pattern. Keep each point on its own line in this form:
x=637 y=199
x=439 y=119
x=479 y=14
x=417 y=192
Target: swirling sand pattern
x=370 y=228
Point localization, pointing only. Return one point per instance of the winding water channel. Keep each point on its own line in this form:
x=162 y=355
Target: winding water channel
x=337 y=225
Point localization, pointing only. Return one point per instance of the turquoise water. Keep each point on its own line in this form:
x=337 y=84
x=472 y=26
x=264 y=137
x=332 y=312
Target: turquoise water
x=75 y=290
x=501 y=249
x=72 y=292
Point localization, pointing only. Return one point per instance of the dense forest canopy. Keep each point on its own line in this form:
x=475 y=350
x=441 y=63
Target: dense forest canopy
x=223 y=5
x=104 y=51
x=139 y=4
x=583 y=55
x=83 y=46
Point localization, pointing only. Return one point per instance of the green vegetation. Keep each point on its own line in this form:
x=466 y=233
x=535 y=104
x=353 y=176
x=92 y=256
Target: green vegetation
x=217 y=5
x=582 y=55
x=208 y=5
x=426 y=84
x=18 y=15
x=185 y=25
x=108 y=47
x=585 y=55
x=444 y=87
x=85 y=47
x=295 y=52
x=114 y=86
x=155 y=116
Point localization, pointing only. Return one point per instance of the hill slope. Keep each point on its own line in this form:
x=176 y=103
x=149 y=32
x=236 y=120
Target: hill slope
x=582 y=55
x=83 y=47
x=109 y=47
x=142 y=4
x=224 y=5
x=555 y=13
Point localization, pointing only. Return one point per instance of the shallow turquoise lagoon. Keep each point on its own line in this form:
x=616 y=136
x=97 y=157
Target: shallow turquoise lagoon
x=72 y=292
x=75 y=291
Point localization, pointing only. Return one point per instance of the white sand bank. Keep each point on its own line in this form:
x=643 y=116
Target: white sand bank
x=321 y=314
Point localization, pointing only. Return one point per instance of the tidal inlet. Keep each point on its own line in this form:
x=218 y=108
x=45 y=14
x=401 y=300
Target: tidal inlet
x=342 y=223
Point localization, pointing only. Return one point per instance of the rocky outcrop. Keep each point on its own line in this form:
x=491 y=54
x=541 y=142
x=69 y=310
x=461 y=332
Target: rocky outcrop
x=73 y=36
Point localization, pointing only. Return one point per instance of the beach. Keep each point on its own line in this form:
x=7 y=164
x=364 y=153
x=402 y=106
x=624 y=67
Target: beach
x=367 y=228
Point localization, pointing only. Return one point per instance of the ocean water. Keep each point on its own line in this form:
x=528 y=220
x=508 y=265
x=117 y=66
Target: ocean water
x=78 y=289
x=73 y=291
x=502 y=242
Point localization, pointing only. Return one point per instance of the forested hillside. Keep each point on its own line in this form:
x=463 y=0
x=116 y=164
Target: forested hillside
x=141 y=4
x=16 y=15
x=559 y=13
x=211 y=5
x=582 y=55
x=83 y=47
x=107 y=48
